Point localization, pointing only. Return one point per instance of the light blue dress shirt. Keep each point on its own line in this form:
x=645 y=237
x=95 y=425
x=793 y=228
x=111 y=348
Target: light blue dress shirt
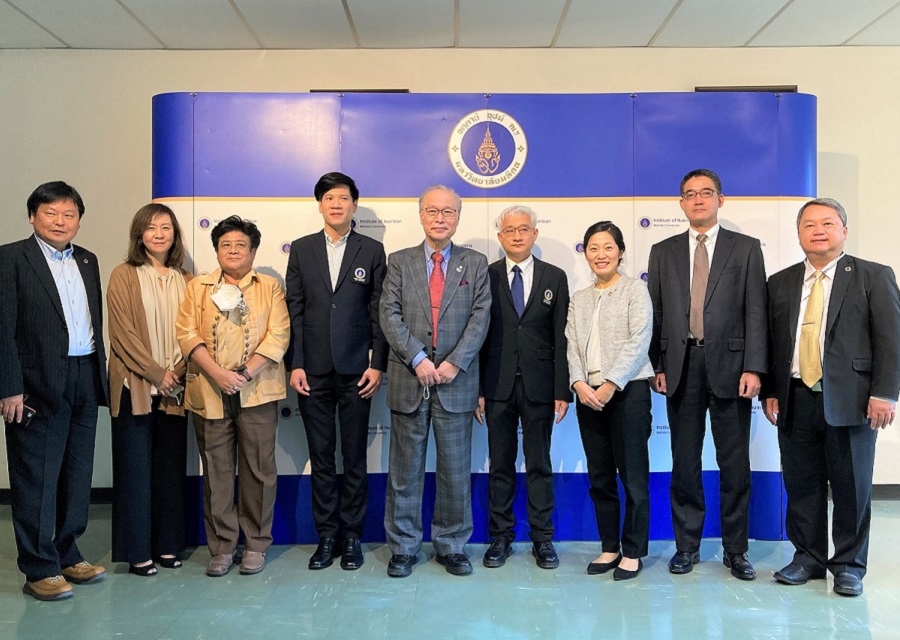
x=73 y=296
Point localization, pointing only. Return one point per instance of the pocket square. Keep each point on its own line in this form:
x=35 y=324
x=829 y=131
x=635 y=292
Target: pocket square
x=463 y=282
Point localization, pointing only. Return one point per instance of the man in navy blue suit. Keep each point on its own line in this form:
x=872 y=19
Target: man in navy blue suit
x=334 y=279
x=52 y=379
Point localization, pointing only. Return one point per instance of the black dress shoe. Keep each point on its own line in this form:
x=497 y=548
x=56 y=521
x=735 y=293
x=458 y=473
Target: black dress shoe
x=847 y=584
x=626 y=574
x=796 y=574
x=455 y=563
x=400 y=565
x=544 y=554
x=683 y=562
x=324 y=555
x=351 y=554
x=497 y=553
x=597 y=568
x=740 y=566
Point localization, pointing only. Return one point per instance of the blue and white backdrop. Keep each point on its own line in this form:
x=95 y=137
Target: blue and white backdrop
x=575 y=159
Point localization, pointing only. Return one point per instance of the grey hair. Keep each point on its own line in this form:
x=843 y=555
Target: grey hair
x=515 y=210
x=440 y=187
x=831 y=203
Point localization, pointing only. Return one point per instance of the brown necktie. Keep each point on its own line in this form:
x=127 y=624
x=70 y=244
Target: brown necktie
x=698 y=286
x=810 y=358
x=436 y=289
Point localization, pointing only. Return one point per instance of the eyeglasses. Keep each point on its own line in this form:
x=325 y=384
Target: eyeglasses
x=432 y=213
x=511 y=231
x=703 y=193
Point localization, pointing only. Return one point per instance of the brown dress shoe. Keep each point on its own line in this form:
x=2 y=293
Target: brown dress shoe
x=252 y=562
x=219 y=565
x=83 y=573
x=52 y=588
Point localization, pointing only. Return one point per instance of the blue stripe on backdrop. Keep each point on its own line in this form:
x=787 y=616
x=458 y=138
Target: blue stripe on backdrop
x=604 y=145
x=294 y=523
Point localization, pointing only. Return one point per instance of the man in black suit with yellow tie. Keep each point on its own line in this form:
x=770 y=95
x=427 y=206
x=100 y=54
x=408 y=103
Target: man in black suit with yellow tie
x=708 y=287
x=524 y=377
x=337 y=356
x=52 y=379
x=835 y=340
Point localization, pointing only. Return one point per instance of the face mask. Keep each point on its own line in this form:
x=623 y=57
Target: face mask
x=227 y=298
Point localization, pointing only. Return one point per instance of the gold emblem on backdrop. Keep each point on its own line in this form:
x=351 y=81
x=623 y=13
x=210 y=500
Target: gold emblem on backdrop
x=488 y=157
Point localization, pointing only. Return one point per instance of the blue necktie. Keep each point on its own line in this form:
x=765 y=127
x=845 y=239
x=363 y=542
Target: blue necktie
x=518 y=291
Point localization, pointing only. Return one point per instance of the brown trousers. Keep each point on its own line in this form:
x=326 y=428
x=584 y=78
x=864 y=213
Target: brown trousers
x=245 y=436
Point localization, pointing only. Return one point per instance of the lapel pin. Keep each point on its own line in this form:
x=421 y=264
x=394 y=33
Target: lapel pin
x=848 y=268
x=85 y=261
x=459 y=269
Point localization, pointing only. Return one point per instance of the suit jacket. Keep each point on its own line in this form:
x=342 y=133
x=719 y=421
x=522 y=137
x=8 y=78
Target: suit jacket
x=462 y=325
x=335 y=329
x=734 y=315
x=534 y=344
x=34 y=338
x=862 y=339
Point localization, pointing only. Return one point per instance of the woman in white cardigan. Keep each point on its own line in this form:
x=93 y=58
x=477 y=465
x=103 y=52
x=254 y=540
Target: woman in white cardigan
x=608 y=332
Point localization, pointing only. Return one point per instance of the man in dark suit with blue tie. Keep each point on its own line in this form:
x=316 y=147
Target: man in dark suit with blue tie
x=334 y=279
x=52 y=379
x=709 y=348
x=835 y=342
x=524 y=377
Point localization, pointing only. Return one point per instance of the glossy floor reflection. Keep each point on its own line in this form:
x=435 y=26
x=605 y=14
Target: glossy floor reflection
x=516 y=601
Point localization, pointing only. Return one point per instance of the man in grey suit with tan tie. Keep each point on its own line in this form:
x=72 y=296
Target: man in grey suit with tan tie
x=709 y=347
x=435 y=311
x=834 y=323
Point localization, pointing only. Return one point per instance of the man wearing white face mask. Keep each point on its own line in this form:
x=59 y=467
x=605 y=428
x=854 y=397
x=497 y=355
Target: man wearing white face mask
x=233 y=329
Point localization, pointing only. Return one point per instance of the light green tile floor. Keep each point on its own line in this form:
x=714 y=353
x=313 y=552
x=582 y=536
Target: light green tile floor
x=516 y=601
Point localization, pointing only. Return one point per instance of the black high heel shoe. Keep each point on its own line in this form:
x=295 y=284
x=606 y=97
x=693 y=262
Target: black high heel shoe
x=169 y=563
x=145 y=571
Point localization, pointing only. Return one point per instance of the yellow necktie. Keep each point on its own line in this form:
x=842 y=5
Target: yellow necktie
x=810 y=358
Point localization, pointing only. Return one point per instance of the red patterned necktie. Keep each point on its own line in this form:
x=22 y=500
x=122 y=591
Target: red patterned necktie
x=436 y=288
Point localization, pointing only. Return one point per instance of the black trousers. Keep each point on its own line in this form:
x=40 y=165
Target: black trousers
x=148 y=509
x=730 y=420
x=339 y=507
x=503 y=418
x=815 y=455
x=615 y=439
x=51 y=462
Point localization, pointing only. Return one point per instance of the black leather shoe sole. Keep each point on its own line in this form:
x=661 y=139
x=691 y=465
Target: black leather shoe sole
x=320 y=563
x=496 y=561
x=741 y=573
x=545 y=563
x=685 y=564
x=796 y=575
x=352 y=562
x=454 y=568
x=401 y=570
x=847 y=584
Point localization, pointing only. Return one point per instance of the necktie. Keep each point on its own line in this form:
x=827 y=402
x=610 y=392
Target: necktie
x=698 y=286
x=436 y=289
x=810 y=358
x=517 y=288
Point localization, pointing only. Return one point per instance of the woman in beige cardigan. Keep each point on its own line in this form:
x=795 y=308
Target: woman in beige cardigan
x=233 y=329
x=146 y=374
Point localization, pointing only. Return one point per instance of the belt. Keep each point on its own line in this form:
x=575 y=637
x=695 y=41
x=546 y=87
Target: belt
x=693 y=342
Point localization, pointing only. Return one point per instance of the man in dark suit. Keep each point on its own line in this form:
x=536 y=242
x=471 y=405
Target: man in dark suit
x=834 y=325
x=708 y=287
x=434 y=312
x=52 y=379
x=334 y=279
x=524 y=377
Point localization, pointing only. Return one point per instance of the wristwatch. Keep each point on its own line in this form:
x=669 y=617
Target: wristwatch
x=243 y=371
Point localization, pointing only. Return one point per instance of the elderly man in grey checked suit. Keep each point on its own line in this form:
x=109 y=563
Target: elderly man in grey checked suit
x=435 y=309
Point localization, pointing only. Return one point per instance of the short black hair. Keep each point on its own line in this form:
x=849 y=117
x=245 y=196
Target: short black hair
x=57 y=191
x=236 y=223
x=332 y=180
x=701 y=173
x=611 y=229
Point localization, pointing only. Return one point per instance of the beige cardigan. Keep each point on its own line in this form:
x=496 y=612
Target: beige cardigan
x=129 y=345
x=269 y=329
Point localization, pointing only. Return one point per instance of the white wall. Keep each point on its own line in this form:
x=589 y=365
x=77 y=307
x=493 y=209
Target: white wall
x=84 y=117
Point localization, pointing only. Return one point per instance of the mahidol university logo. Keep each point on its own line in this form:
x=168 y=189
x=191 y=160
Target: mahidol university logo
x=487 y=148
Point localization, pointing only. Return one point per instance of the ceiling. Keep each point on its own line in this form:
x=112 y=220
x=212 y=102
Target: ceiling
x=414 y=24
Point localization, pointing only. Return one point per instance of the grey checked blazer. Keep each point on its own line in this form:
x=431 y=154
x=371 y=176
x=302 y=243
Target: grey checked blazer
x=405 y=312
